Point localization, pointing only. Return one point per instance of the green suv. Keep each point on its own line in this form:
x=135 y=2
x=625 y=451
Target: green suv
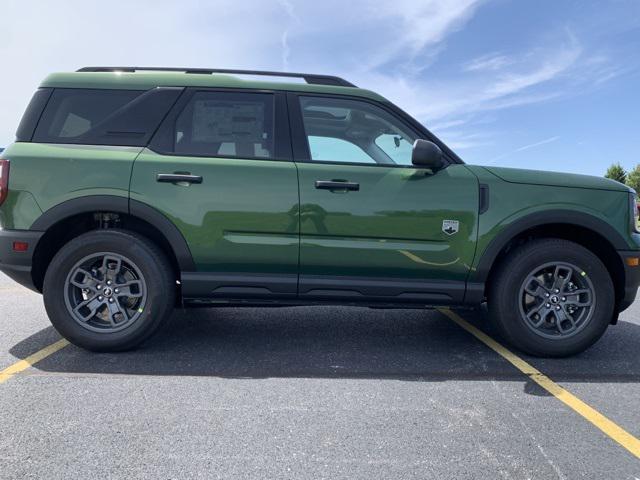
x=130 y=190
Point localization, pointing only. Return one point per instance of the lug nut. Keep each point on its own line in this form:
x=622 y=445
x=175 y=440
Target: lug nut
x=111 y=300
x=100 y=298
x=557 y=291
x=558 y=307
x=564 y=299
x=108 y=282
x=548 y=305
x=99 y=287
x=546 y=294
x=118 y=291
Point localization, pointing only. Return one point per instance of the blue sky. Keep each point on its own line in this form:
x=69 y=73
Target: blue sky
x=532 y=84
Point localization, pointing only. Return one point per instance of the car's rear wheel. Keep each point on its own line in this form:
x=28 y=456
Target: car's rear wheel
x=551 y=297
x=108 y=290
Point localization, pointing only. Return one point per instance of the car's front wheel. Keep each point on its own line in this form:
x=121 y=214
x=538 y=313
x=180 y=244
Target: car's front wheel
x=551 y=297
x=108 y=290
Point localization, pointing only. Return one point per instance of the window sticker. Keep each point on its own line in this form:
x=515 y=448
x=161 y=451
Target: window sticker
x=216 y=121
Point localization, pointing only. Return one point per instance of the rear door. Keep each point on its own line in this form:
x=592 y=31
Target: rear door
x=220 y=169
x=373 y=226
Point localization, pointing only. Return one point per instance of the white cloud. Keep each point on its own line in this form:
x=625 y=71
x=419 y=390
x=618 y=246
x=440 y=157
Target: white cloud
x=523 y=148
x=284 y=38
x=286 y=50
x=552 y=63
x=462 y=140
x=538 y=144
x=422 y=23
x=488 y=62
x=511 y=85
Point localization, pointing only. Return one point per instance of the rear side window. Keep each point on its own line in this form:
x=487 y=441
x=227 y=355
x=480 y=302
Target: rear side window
x=221 y=124
x=103 y=117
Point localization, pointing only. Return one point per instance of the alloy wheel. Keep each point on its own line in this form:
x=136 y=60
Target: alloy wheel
x=557 y=300
x=105 y=292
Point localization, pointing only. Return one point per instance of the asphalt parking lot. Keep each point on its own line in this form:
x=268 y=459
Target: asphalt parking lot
x=308 y=393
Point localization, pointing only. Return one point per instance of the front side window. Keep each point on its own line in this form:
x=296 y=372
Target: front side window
x=226 y=125
x=338 y=149
x=353 y=131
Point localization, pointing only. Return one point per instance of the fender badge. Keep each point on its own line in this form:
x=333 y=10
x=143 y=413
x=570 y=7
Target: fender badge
x=450 y=226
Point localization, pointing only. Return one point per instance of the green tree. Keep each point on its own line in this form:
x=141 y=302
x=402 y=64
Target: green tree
x=617 y=173
x=633 y=179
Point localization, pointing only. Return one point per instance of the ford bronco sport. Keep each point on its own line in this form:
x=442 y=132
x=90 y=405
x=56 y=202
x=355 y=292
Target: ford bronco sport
x=130 y=190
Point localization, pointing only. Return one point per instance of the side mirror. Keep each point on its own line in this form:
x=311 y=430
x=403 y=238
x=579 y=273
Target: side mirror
x=427 y=154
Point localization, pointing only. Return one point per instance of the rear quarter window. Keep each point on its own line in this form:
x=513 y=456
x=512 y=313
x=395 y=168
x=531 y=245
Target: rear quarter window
x=103 y=117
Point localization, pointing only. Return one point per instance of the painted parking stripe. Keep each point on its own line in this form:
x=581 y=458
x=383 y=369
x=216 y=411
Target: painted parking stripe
x=609 y=428
x=31 y=360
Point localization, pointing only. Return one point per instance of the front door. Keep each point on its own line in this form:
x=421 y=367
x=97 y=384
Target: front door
x=220 y=169
x=372 y=225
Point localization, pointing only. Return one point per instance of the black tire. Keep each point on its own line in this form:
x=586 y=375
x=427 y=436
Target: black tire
x=508 y=307
x=137 y=252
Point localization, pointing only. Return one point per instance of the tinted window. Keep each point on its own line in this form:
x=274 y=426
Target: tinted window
x=71 y=113
x=226 y=125
x=346 y=130
x=104 y=117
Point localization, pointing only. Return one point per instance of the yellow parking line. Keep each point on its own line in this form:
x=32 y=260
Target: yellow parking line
x=31 y=360
x=609 y=428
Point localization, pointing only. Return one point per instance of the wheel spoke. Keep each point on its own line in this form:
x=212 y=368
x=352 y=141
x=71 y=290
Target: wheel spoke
x=561 y=276
x=580 y=291
x=542 y=312
x=86 y=310
x=537 y=291
x=83 y=279
x=573 y=298
x=131 y=289
x=111 y=266
x=562 y=318
x=117 y=314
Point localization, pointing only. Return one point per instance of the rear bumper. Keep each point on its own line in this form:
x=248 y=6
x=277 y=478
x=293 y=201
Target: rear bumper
x=631 y=279
x=17 y=265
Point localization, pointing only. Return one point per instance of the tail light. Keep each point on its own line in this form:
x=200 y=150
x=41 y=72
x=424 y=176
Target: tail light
x=4 y=180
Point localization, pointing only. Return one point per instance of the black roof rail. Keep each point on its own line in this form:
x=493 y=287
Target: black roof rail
x=308 y=77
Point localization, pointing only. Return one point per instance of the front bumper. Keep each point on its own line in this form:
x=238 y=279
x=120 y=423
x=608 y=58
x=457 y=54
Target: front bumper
x=17 y=265
x=631 y=279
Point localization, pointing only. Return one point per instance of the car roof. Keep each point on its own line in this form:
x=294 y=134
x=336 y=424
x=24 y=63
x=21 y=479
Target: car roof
x=144 y=80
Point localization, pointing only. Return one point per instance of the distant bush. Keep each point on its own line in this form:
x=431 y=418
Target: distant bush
x=617 y=173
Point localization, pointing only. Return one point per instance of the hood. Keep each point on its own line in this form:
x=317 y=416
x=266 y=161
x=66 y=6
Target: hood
x=556 y=179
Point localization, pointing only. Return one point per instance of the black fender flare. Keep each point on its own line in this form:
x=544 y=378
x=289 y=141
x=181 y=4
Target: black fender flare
x=538 y=219
x=117 y=204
